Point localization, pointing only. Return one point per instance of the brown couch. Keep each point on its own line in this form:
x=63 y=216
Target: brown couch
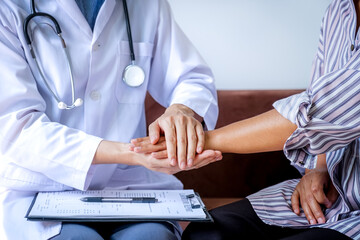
x=237 y=175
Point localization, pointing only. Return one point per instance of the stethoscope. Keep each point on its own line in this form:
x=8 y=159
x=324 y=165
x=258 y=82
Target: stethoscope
x=133 y=75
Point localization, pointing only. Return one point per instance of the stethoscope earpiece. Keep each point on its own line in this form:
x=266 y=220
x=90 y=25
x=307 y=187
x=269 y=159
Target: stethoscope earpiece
x=77 y=103
x=62 y=105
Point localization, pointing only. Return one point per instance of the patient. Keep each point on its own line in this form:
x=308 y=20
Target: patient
x=319 y=131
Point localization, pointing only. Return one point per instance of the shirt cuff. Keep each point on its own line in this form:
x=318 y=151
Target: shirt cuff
x=296 y=108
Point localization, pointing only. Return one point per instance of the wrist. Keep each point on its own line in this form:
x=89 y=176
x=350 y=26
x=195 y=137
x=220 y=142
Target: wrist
x=109 y=152
x=321 y=162
x=321 y=165
x=180 y=108
x=210 y=140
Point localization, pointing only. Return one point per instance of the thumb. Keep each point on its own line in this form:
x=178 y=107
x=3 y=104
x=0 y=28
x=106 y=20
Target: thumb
x=295 y=203
x=154 y=132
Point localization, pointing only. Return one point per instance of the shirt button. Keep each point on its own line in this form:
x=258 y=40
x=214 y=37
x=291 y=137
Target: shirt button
x=352 y=47
x=95 y=95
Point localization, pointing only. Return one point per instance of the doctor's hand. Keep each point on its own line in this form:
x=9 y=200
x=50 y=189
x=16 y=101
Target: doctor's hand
x=144 y=145
x=314 y=191
x=158 y=151
x=110 y=152
x=183 y=133
x=155 y=164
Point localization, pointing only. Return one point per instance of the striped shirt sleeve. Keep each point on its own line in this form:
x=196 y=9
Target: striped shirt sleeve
x=327 y=113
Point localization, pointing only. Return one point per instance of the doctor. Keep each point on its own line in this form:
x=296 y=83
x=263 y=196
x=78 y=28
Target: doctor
x=67 y=114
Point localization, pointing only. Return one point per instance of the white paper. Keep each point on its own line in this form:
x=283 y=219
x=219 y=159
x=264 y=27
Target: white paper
x=172 y=204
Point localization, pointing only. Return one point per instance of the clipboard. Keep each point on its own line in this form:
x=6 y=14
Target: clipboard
x=66 y=206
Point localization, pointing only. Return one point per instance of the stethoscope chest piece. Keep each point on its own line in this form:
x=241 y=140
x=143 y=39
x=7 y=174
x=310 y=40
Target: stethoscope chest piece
x=133 y=75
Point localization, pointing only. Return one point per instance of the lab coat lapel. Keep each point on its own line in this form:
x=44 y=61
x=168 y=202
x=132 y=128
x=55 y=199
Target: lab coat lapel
x=103 y=17
x=72 y=9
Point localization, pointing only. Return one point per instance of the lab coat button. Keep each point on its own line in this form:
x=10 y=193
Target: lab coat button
x=96 y=46
x=94 y=95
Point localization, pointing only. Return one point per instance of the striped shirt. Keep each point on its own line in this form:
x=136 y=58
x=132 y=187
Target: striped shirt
x=328 y=118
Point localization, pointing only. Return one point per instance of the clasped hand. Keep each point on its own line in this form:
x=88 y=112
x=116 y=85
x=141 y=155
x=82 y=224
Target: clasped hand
x=178 y=137
x=156 y=157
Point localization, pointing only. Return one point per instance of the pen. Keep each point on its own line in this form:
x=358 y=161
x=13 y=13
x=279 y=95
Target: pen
x=120 y=199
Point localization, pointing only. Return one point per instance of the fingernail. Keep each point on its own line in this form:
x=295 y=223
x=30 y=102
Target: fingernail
x=137 y=149
x=173 y=162
x=312 y=222
x=183 y=165
x=321 y=220
x=190 y=162
x=199 y=149
x=152 y=138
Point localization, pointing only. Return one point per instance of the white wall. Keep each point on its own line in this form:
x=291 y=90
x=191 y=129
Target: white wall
x=254 y=44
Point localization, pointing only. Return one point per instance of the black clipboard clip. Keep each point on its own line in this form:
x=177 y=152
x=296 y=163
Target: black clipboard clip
x=194 y=201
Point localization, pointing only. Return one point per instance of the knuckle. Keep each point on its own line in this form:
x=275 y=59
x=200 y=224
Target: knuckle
x=167 y=122
x=191 y=154
x=182 y=140
x=181 y=119
x=308 y=196
x=317 y=213
x=193 y=138
x=170 y=119
x=314 y=189
x=172 y=139
x=201 y=134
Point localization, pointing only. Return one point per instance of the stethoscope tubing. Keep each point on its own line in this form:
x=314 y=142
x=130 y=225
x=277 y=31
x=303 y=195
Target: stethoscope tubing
x=58 y=31
x=128 y=75
x=128 y=29
x=38 y=14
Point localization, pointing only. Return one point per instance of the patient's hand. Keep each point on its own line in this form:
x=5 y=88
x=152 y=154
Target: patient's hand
x=314 y=190
x=158 y=151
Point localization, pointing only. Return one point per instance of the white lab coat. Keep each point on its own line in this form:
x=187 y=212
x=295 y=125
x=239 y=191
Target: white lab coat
x=43 y=148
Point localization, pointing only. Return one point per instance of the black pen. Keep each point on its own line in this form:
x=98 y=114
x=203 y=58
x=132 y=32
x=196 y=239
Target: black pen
x=120 y=199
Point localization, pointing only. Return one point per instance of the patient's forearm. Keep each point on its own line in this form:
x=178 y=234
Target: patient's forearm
x=262 y=133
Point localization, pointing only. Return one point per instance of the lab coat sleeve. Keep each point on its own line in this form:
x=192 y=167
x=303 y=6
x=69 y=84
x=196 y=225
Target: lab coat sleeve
x=28 y=138
x=178 y=73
